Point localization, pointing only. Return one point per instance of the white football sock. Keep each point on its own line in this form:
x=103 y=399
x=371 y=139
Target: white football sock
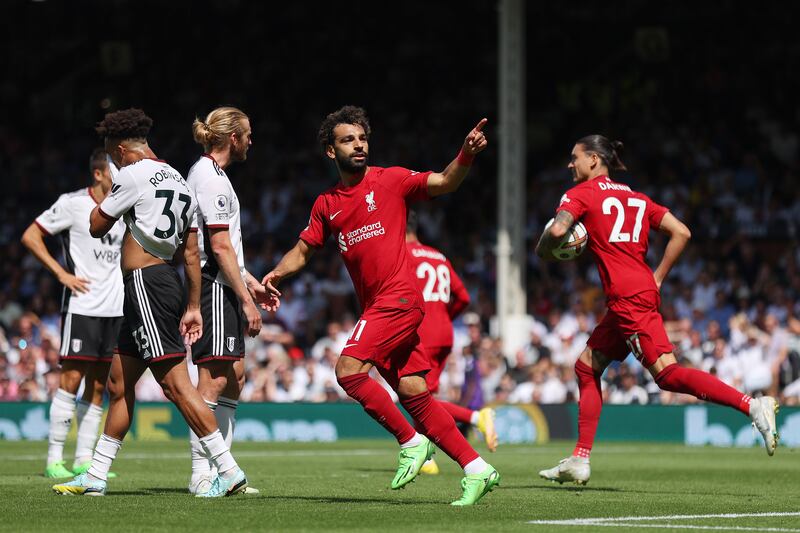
x=474 y=418
x=61 y=410
x=104 y=454
x=201 y=465
x=89 y=416
x=476 y=466
x=226 y=418
x=413 y=441
x=218 y=453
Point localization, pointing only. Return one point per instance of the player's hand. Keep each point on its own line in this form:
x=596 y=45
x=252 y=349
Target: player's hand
x=658 y=282
x=74 y=283
x=191 y=326
x=253 y=317
x=476 y=140
x=270 y=283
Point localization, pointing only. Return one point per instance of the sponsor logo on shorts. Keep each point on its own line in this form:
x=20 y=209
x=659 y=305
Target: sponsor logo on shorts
x=76 y=345
x=230 y=342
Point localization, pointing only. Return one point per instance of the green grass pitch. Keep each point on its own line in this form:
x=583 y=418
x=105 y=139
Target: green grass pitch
x=344 y=486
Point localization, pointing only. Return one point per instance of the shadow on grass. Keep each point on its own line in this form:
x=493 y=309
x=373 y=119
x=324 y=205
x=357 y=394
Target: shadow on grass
x=568 y=488
x=330 y=499
x=575 y=488
x=153 y=491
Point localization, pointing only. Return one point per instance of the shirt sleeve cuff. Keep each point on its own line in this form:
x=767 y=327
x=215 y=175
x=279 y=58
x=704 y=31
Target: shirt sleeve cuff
x=104 y=214
x=45 y=230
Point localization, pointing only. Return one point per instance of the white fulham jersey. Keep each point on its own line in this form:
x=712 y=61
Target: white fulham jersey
x=156 y=203
x=86 y=257
x=217 y=207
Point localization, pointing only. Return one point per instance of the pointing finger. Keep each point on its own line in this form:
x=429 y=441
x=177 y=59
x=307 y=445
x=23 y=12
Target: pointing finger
x=481 y=124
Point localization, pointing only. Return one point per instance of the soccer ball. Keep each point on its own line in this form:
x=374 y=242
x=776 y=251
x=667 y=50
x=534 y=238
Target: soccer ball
x=572 y=244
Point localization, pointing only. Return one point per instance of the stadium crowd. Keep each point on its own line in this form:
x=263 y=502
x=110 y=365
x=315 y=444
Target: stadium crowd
x=731 y=305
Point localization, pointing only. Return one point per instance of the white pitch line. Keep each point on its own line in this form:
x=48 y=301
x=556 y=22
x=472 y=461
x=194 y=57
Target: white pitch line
x=683 y=526
x=664 y=517
x=621 y=522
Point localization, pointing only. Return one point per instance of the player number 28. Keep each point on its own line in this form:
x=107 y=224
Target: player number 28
x=437 y=282
x=617 y=235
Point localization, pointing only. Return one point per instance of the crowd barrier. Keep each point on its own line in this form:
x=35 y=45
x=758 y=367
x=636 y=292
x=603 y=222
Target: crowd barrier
x=305 y=422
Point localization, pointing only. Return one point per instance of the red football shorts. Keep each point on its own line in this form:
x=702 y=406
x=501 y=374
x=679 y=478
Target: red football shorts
x=388 y=339
x=437 y=356
x=632 y=324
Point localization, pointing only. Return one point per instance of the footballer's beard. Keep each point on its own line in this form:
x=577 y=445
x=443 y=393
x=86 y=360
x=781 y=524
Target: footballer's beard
x=239 y=152
x=351 y=166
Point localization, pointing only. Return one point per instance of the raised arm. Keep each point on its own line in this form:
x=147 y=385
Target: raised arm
x=552 y=235
x=33 y=240
x=679 y=236
x=291 y=263
x=451 y=177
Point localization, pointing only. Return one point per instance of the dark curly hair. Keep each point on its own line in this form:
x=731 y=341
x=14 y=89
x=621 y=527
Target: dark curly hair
x=348 y=114
x=126 y=124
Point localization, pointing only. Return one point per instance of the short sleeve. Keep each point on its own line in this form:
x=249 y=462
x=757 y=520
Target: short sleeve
x=193 y=225
x=56 y=219
x=214 y=203
x=655 y=213
x=317 y=231
x=123 y=195
x=409 y=184
x=575 y=202
x=112 y=168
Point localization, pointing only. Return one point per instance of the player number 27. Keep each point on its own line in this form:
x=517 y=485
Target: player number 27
x=617 y=235
x=169 y=195
x=437 y=282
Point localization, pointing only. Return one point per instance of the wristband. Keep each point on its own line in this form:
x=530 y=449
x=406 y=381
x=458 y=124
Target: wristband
x=464 y=159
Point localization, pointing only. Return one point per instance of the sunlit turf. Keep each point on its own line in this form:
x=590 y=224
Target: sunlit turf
x=344 y=486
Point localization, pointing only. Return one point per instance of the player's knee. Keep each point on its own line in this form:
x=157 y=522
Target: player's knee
x=409 y=386
x=70 y=380
x=116 y=388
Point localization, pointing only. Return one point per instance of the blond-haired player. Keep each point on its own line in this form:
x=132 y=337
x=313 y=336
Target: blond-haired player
x=227 y=289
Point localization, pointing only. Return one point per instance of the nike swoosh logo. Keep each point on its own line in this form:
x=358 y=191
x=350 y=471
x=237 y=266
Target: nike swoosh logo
x=336 y=213
x=349 y=345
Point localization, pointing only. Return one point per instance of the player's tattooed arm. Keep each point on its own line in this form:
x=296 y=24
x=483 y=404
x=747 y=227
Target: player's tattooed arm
x=552 y=235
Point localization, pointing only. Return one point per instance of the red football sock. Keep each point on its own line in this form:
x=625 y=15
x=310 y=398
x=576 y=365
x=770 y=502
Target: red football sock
x=589 y=407
x=378 y=404
x=702 y=385
x=459 y=414
x=440 y=427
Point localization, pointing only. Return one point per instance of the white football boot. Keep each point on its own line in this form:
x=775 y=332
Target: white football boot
x=200 y=483
x=762 y=413
x=575 y=469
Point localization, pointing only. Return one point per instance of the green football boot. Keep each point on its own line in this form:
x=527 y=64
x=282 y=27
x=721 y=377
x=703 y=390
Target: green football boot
x=57 y=470
x=476 y=486
x=410 y=462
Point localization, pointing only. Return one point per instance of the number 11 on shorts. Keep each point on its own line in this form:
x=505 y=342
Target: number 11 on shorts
x=358 y=330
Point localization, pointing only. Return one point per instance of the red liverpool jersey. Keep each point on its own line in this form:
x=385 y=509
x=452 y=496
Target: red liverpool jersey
x=443 y=291
x=618 y=221
x=368 y=222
